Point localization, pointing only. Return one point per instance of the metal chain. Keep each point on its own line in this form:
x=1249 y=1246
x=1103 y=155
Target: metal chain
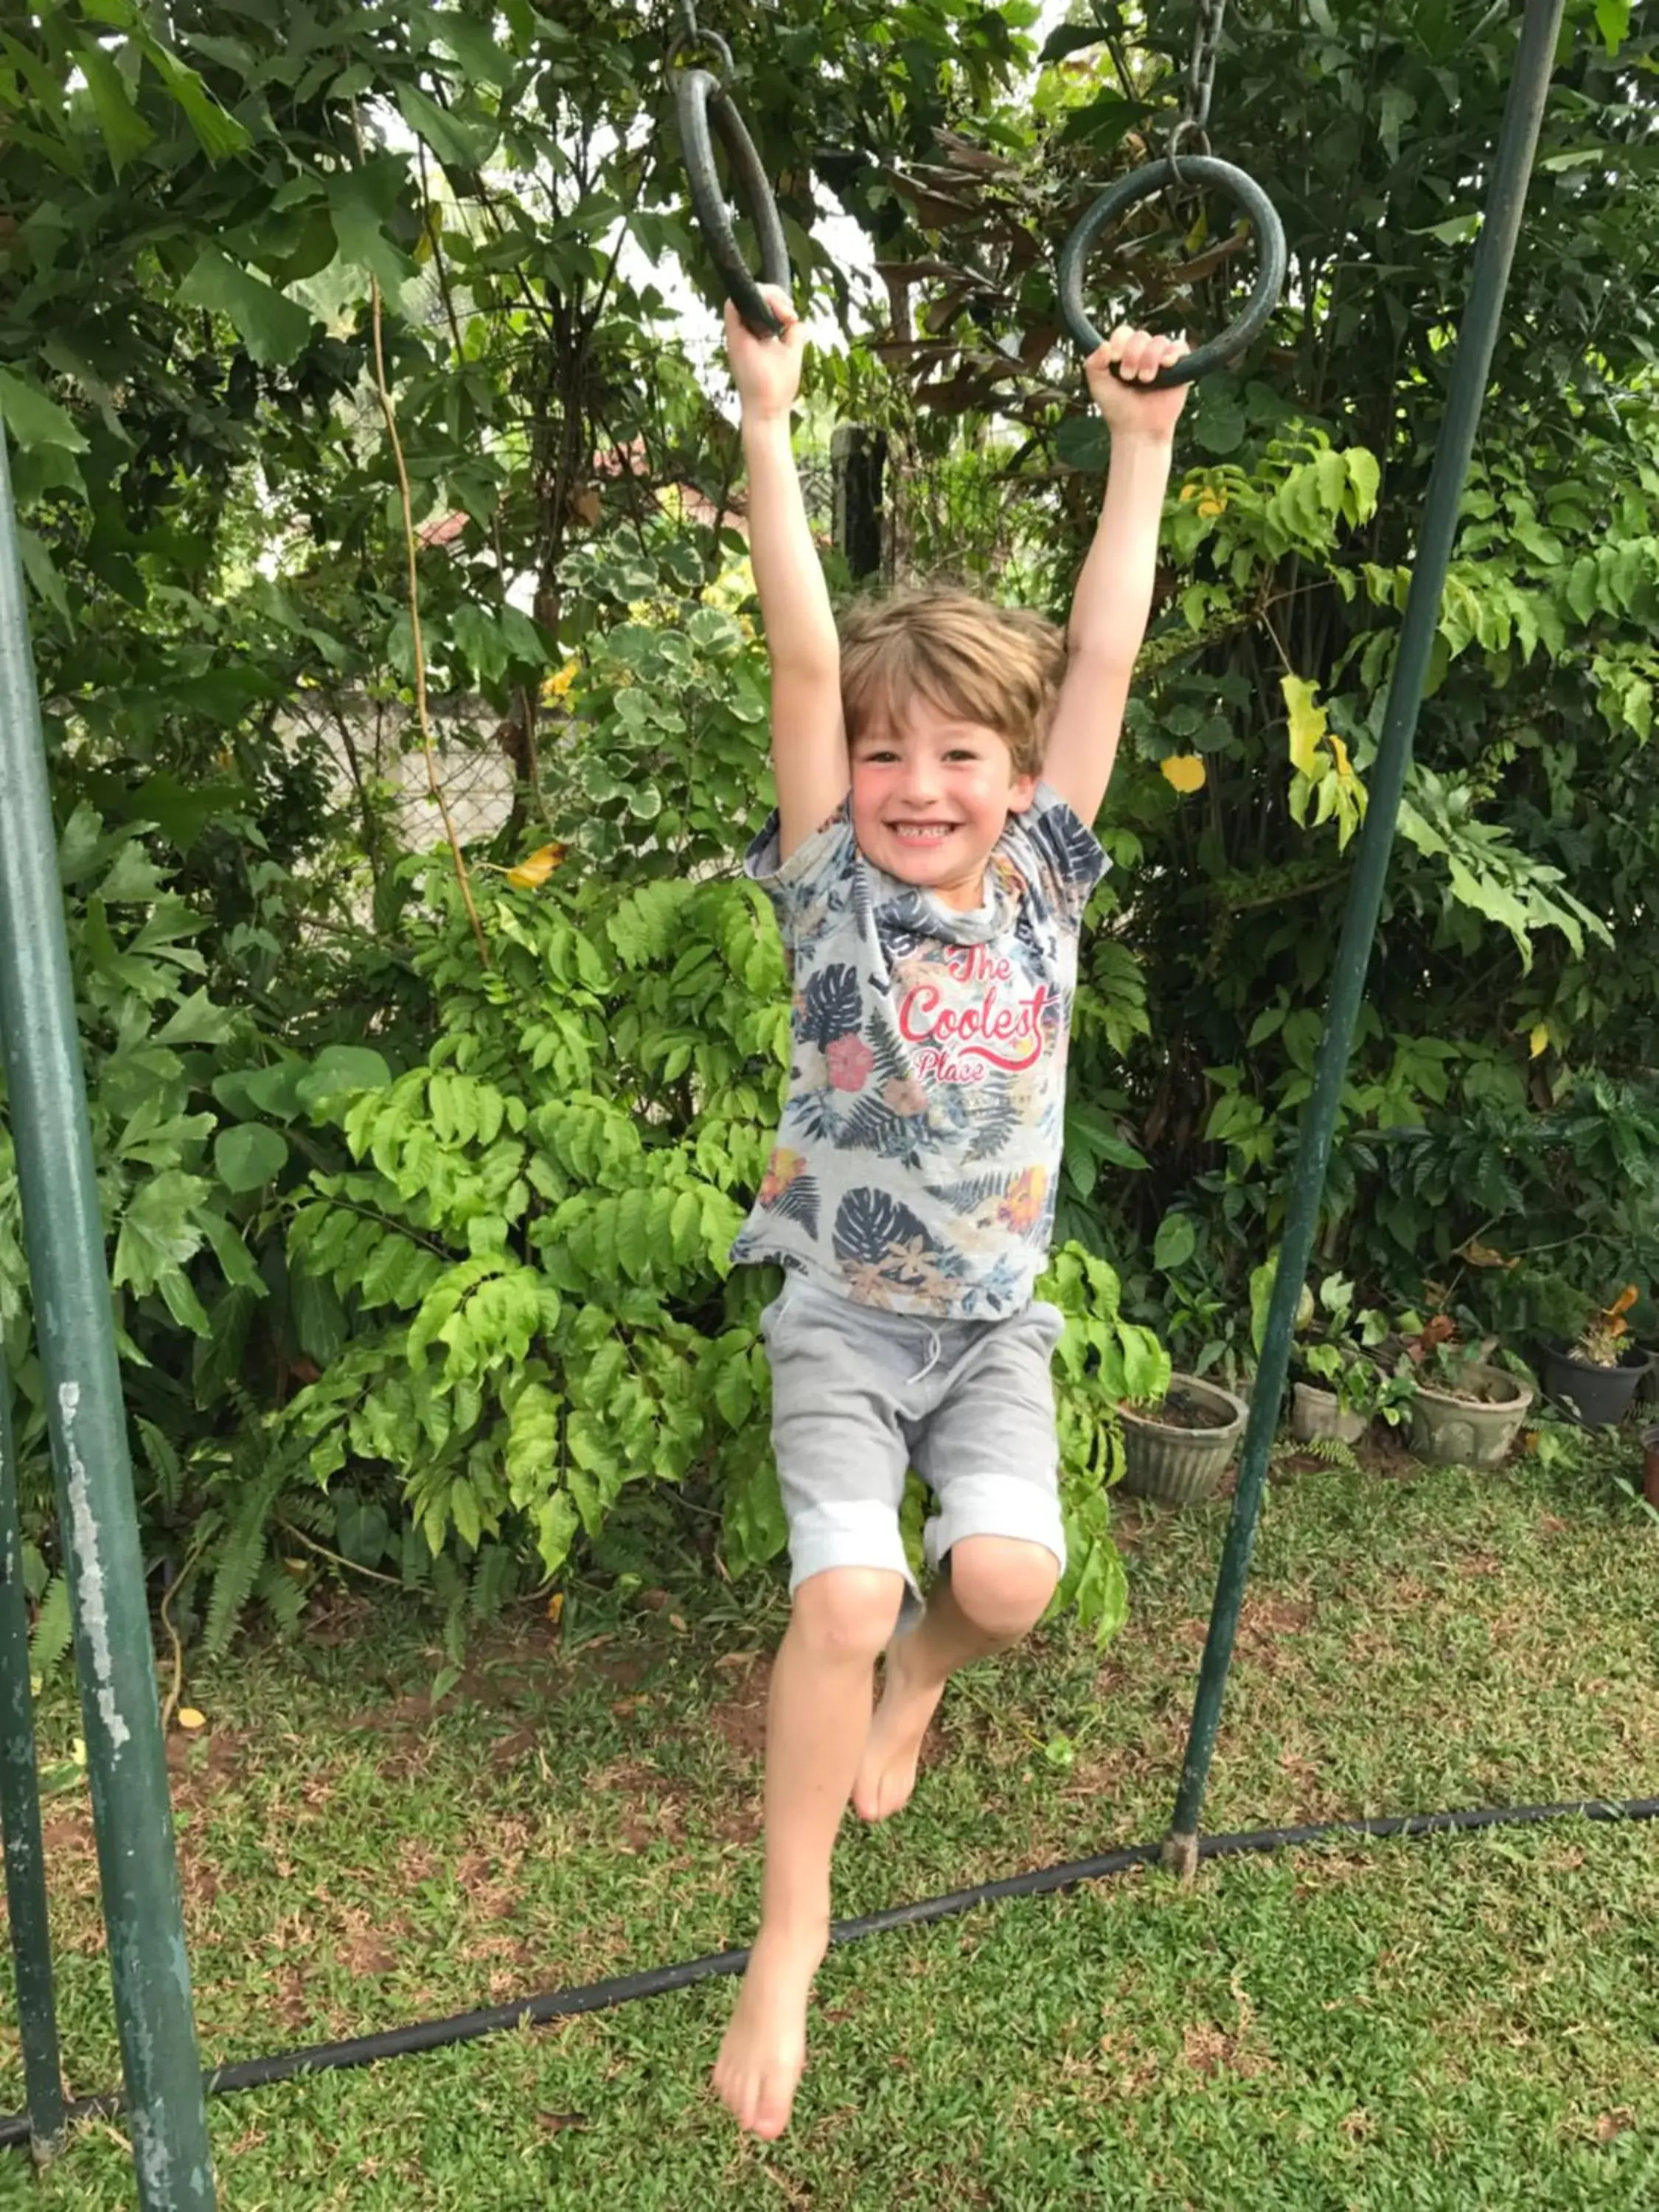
x=1201 y=79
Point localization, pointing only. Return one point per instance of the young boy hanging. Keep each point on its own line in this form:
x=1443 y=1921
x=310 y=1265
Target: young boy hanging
x=938 y=765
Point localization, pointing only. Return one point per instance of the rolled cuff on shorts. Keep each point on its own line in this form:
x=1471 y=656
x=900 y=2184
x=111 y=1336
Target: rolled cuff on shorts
x=995 y=1505
x=853 y=1532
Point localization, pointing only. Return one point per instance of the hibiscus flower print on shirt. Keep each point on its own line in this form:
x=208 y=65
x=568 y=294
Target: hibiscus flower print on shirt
x=919 y=1142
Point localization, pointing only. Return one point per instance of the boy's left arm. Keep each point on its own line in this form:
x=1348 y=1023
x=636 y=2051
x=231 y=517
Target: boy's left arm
x=1114 y=594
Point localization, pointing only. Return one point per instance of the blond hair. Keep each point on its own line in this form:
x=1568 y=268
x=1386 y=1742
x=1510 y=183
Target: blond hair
x=999 y=666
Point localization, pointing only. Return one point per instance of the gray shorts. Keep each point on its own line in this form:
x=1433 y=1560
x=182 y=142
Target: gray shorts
x=860 y=1396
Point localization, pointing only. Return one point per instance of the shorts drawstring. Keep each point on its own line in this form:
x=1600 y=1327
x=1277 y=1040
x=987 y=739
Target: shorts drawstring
x=934 y=1352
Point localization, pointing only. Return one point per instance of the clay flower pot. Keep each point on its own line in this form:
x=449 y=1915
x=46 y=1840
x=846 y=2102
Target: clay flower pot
x=1316 y=1412
x=1449 y=1432
x=1179 y=1450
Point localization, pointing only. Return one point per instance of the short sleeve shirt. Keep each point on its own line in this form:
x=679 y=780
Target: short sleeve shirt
x=921 y=1138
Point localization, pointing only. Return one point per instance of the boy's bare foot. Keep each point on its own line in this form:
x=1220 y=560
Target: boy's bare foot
x=887 y=1771
x=764 y=2052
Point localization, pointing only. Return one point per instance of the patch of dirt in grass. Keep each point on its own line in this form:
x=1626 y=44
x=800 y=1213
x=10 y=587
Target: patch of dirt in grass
x=1480 y=1564
x=1383 y=1453
x=740 y=1717
x=1209 y=2048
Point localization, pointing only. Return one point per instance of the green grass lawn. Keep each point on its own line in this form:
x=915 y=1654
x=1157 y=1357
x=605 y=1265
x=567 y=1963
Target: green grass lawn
x=1465 y=2022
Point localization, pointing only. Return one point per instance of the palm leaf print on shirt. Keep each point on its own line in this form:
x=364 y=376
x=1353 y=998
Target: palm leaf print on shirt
x=870 y=1225
x=834 y=1005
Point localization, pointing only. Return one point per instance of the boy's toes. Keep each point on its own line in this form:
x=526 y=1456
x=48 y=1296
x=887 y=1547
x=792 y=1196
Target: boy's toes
x=773 y=2102
x=761 y=2103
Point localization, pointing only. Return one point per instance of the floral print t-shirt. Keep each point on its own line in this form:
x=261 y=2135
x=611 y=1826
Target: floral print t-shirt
x=916 y=1158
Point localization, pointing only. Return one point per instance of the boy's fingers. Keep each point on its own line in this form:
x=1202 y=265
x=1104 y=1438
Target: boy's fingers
x=780 y=304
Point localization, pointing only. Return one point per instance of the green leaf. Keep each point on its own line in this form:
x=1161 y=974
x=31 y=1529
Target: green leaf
x=250 y=1156
x=469 y=42
x=1070 y=38
x=218 y=135
x=319 y=1321
x=1307 y=723
x=124 y=130
x=1612 y=20
x=1366 y=477
x=1219 y=422
x=273 y=329
x=458 y=144
x=158 y=1231
x=340 y=1069
x=557 y=1527
x=734 y=1391
x=42 y=573
x=361 y=1530
x=1145 y=1364
x=195 y=1020
x=357 y=210
x=1083 y=442
x=1176 y=1243
x=1394 y=106
x=32 y=419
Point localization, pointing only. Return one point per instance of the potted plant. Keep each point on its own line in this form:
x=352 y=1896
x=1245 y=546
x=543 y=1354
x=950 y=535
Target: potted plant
x=1360 y=1393
x=1595 y=1378
x=1349 y=1389
x=1465 y=1412
x=1176 y=1448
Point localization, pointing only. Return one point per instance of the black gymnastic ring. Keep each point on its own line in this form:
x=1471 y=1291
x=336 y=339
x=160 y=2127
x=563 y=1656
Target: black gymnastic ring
x=700 y=100
x=1141 y=184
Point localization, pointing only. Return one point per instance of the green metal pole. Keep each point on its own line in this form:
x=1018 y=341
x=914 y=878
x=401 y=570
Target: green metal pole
x=1517 y=141
x=20 y=1815
x=75 y=1327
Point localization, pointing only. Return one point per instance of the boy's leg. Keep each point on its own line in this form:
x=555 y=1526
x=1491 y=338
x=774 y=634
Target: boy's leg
x=997 y=1588
x=989 y=1450
x=818 y=1719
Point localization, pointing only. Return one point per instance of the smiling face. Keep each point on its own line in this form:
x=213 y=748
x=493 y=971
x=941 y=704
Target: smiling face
x=931 y=793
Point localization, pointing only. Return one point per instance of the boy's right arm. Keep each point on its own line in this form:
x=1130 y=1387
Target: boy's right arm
x=809 y=739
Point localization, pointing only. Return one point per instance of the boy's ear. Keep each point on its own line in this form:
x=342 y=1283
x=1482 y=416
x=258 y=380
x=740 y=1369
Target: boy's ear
x=1021 y=793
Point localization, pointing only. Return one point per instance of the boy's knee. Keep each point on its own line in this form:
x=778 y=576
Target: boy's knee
x=848 y=1613
x=1001 y=1584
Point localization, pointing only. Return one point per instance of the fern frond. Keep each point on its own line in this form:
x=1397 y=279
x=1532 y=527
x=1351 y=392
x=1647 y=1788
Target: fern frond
x=495 y=1582
x=240 y=1556
x=283 y=1596
x=54 y=1630
x=1331 y=1450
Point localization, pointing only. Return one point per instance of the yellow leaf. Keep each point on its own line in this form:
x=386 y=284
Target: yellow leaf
x=530 y=875
x=1307 y=730
x=190 y=1718
x=555 y=1607
x=1484 y=1255
x=558 y=685
x=1537 y=1038
x=1339 y=751
x=1212 y=504
x=1189 y=491
x=1185 y=771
